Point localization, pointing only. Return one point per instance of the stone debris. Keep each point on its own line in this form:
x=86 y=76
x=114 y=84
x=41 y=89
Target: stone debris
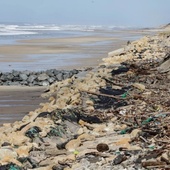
x=115 y=116
x=39 y=78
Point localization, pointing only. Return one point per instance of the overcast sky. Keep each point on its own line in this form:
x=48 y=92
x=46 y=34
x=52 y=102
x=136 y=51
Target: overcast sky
x=87 y=12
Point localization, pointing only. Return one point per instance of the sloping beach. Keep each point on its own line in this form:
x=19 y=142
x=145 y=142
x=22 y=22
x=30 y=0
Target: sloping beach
x=67 y=53
x=71 y=52
x=114 y=116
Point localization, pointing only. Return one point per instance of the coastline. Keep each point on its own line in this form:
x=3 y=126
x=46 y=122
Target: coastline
x=102 y=119
x=84 y=85
x=62 y=53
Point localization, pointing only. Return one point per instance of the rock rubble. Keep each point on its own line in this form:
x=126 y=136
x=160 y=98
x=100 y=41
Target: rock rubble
x=29 y=78
x=115 y=116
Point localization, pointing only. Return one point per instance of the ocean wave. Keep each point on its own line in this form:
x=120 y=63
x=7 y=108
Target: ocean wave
x=12 y=29
x=4 y=32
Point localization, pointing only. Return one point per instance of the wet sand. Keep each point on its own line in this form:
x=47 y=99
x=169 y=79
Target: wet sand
x=62 y=53
x=17 y=101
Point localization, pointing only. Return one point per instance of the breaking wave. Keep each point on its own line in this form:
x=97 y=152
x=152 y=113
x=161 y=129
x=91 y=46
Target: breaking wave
x=26 y=29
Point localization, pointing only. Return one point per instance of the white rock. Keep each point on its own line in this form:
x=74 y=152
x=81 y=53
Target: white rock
x=7 y=153
x=139 y=86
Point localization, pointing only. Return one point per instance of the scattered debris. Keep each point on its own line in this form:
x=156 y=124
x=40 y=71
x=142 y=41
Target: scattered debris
x=115 y=117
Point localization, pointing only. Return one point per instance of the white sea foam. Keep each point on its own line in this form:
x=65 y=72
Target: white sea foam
x=16 y=33
x=12 y=29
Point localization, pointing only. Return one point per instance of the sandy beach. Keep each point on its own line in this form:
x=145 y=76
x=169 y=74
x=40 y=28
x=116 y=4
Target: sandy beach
x=100 y=115
x=15 y=102
x=84 y=85
x=60 y=53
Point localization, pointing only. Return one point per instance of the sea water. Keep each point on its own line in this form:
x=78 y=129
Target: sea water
x=11 y=32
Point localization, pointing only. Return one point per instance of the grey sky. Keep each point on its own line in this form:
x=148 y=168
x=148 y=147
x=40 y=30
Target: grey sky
x=87 y=12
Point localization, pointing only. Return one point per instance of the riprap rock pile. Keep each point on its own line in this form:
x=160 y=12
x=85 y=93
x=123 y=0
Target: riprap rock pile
x=115 y=116
x=40 y=78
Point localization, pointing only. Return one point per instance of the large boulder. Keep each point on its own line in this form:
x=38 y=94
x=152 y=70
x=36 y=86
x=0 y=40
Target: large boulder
x=50 y=73
x=59 y=76
x=10 y=76
x=43 y=76
x=31 y=78
x=15 y=73
x=51 y=80
x=23 y=76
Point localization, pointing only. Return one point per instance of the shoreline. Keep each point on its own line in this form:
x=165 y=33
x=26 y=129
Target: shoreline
x=18 y=53
x=114 y=116
x=63 y=53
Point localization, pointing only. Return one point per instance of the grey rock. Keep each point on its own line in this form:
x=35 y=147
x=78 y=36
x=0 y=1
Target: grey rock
x=43 y=76
x=50 y=73
x=15 y=73
x=23 y=76
x=9 y=76
x=35 y=83
x=70 y=74
x=66 y=76
x=31 y=78
x=7 y=83
x=14 y=83
x=4 y=77
x=74 y=71
x=59 y=76
x=119 y=159
x=51 y=79
x=44 y=83
x=16 y=79
x=24 y=83
x=56 y=72
x=26 y=72
x=30 y=84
